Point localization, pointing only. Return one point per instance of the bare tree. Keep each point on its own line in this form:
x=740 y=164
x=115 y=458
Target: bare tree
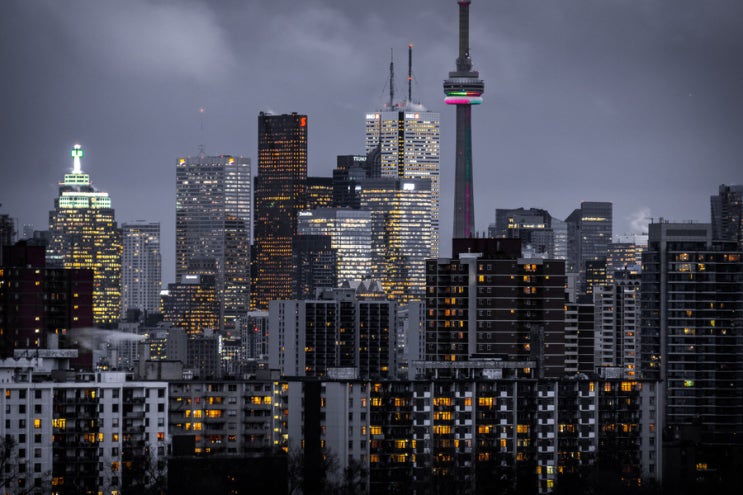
x=329 y=478
x=16 y=477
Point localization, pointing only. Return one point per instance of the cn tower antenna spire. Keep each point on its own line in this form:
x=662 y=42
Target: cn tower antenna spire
x=464 y=89
x=392 y=81
x=410 y=72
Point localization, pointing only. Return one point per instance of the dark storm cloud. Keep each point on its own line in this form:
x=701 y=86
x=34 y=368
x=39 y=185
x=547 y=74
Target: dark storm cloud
x=635 y=102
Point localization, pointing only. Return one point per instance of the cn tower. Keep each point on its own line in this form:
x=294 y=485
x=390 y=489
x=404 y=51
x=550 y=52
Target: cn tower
x=464 y=89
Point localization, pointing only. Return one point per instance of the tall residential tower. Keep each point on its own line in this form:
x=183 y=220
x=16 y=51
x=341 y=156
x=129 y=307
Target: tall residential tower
x=464 y=89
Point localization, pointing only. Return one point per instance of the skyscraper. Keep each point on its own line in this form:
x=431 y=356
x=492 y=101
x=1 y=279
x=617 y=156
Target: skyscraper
x=319 y=192
x=213 y=226
x=589 y=236
x=315 y=265
x=404 y=137
x=464 y=89
x=141 y=267
x=193 y=304
x=400 y=226
x=488 y=302
x=692 y=338
x=280 y=192
x=7 y=232
x=84 y=234
x=727 y=213
x=617 y=323
x=350 y=235
x=541 y=234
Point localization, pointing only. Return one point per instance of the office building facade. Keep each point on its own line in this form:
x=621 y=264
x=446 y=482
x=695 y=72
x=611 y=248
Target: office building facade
x=141 y=268
x=402 y=232
x=280 y=193
x=350 y=233
x=589 y=231
x=407 y=142
x=193 y=304
x=541 y=234
x=315 y=264
x=83 y=234
x=213 y=218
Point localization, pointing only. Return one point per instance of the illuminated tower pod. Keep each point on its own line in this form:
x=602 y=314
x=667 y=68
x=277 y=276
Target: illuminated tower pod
x=84 y=234
x=464 y=89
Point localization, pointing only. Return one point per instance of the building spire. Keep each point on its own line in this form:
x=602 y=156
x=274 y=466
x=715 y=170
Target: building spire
x=410 y=72
x=77 y=153
x=392 y=81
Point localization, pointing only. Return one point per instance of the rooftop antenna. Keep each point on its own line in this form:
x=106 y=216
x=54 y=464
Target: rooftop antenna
x=392 y=80
x=410 y=72
x=202 y=147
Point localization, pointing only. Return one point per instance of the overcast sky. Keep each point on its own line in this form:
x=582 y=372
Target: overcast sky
x=635 y=102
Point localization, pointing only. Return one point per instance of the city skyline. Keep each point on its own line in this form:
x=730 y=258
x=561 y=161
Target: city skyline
x=639 y=105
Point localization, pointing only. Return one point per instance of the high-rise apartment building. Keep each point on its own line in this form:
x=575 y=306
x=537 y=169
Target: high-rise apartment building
x=488 y=302
x=7 y=232
x=280 y=193
x=727 y=213
x=213 y=217
x=692 y=338
x=84 y=234
x=141 y=268
x=559 y=239
x=579 y=336
x=350 y=235
x=407 y=140
x=617 y=323
x=338 y=329
x=81 y=432
x=37 y=301
x=401 y=233
x=474 y=435
x=623 y=256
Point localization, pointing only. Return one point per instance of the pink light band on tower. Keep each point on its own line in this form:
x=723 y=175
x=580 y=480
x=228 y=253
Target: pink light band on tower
x=462 y=100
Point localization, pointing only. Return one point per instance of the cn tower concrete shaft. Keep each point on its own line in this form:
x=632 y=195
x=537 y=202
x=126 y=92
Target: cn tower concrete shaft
x=464 y=89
